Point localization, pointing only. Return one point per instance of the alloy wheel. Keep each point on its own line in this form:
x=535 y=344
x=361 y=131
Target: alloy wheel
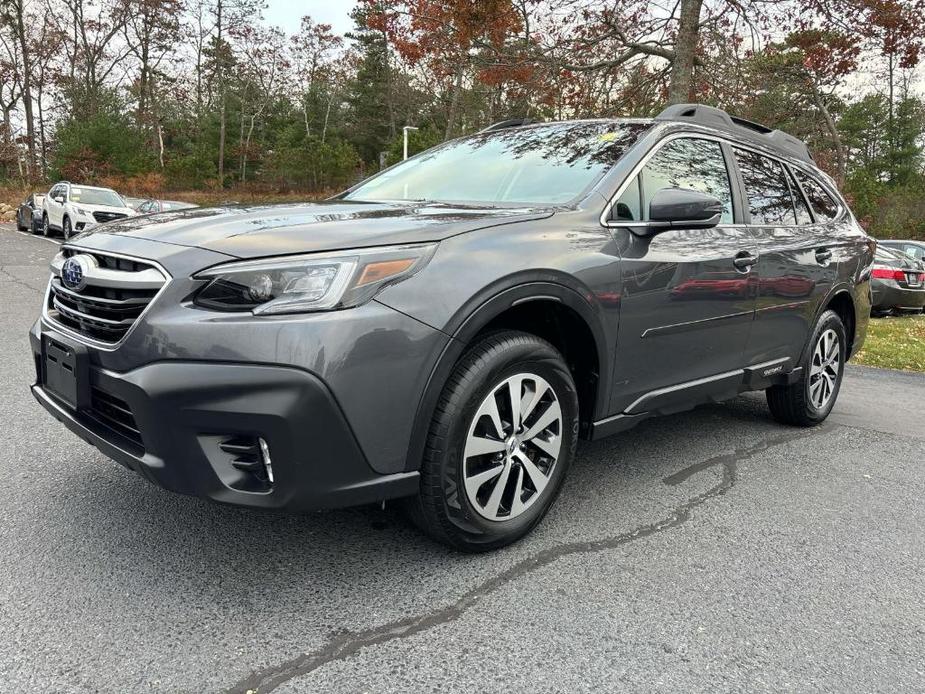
x=512 y=447
x=824 y=369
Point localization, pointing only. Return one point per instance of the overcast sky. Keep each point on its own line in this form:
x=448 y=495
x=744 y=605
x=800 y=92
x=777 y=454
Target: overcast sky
x=287 y=14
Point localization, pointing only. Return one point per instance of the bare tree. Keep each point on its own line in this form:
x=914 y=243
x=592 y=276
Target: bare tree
x=151 y=31
x=13 y=15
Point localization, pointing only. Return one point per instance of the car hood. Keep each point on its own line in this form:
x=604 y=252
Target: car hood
x=267 y=230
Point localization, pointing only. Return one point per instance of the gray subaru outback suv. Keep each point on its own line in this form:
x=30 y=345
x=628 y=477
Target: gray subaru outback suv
x=445 y=331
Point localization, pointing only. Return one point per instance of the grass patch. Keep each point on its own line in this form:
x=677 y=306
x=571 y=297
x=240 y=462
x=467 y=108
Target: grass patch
x=894 y=343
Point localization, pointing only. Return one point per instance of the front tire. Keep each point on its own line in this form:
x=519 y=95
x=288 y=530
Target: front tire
x=500 y=443
x=66 y=230
x=19 y=225
x=809 y=400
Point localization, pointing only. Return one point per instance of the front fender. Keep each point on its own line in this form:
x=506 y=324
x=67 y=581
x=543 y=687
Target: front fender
x=470 y=320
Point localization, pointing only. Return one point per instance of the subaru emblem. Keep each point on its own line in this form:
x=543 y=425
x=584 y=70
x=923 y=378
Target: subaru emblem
x=75 y=269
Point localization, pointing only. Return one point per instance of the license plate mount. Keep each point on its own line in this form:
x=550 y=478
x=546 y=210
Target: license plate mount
x=66 y=370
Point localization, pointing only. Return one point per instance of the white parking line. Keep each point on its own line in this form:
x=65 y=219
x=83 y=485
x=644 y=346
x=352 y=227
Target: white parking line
x=38 y=236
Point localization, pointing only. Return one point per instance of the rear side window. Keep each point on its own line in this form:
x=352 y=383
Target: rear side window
x=824 y=206
x=688 y=163
x=766 y=187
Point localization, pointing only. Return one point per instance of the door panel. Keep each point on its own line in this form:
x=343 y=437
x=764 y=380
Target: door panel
x=686 y=310
x=55 y=214
x=797 y=264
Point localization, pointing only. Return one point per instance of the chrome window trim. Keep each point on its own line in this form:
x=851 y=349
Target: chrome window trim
x=697 y=135
x=52 y=324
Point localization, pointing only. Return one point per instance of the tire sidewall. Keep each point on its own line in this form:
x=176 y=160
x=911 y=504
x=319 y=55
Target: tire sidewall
x=66 y=230
x=827 y=321
x=46 y=226
x=533 y=358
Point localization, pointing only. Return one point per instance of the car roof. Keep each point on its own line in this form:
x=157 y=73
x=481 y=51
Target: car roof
x=714 y=119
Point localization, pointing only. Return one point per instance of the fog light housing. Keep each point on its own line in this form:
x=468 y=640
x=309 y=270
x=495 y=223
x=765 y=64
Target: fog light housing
x=245 y=463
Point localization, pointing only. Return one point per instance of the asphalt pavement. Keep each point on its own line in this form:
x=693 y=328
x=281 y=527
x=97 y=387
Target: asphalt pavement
x=713 y=551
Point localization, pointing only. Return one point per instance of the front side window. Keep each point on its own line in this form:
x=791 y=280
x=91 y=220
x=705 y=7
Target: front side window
x=824 y=206
x=629 y=206
x=689 y=163
x=546 y=164
x=766 y=187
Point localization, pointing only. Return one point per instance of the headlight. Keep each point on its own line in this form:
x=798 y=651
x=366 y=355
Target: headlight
x=316 y=282
x=82 y=211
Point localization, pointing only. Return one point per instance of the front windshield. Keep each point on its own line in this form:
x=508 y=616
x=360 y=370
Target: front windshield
x=547 y=164
x=96 y=196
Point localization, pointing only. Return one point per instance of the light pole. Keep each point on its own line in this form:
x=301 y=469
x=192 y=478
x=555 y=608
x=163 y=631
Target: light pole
x=404 y=132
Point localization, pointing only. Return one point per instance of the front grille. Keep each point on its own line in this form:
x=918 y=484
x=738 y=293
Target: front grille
x=116 y=292
x=102 y=217
x=115 y=414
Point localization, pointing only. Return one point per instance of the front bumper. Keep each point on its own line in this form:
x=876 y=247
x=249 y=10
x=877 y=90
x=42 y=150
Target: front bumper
x=184 y=410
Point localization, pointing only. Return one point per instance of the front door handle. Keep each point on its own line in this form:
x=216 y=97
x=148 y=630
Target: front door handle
x=744 y=261
x=823 y=255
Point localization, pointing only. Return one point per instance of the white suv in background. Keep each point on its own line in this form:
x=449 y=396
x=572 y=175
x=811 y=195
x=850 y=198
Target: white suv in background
x=70 y=209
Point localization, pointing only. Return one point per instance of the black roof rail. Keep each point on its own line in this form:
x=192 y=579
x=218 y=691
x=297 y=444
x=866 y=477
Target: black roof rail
x=717 y=118
x=509 y=123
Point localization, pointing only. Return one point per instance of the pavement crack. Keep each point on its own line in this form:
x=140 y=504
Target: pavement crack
x=16 y=280
x=346 y=644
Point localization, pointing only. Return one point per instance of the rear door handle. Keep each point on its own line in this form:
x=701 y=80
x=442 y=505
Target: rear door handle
x=823 y=255
x=744 y=261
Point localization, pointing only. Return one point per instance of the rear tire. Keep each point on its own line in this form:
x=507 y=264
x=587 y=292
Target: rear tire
x=46 y=227
x=482 y=488
x=809 y=400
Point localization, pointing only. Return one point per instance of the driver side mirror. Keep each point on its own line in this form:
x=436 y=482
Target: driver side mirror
x=681 y=208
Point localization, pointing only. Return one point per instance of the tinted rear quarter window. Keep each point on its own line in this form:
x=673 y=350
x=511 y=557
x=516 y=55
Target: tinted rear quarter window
x=824 y=206
x=766 y=187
